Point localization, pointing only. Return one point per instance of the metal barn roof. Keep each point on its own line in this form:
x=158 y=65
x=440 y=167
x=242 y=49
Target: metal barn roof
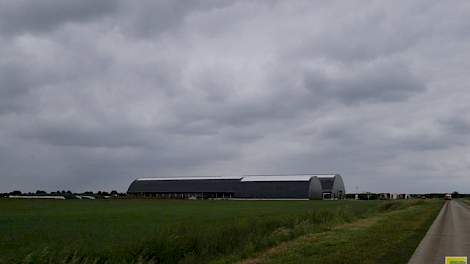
x=294 y=177
x=246 y=178
x=326 y=176
x=191 y=178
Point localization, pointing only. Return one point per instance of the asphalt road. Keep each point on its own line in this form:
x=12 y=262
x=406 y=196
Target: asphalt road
x=449 y=235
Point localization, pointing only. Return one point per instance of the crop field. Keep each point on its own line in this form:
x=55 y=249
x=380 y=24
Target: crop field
x=178 y=231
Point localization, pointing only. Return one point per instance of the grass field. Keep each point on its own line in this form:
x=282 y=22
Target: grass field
x=386 y=238
x=166 y=231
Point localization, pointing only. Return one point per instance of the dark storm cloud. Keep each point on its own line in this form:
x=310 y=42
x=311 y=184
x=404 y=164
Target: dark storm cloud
x=96 y=93
x=25 y=16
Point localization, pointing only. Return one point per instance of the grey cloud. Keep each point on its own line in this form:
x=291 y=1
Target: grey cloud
x=425 y=142
x=371 y=33
x=151 y=18
x=95 y=94
x=17 y=82
x=38 y=17
x=12 y=88
x=458 y=123
x=74 y=135
x=381 y=82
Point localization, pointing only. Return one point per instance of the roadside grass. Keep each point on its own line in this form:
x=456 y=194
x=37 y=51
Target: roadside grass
x=163 y=231
x=466 y=200
x=390 y=237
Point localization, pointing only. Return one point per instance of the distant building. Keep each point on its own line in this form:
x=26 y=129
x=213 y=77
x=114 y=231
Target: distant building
x=297 y=186
x=36 y=197
x=88 y=197
x=384 y=196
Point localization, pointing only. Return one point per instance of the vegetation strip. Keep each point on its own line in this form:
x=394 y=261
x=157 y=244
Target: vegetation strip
x=386 y=238
x=467 y=201
x=149 y=231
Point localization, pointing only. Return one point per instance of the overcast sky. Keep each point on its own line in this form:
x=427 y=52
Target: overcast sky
x=94 y=94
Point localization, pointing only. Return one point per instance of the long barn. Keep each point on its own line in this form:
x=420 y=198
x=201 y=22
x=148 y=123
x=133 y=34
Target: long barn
x=297 y=186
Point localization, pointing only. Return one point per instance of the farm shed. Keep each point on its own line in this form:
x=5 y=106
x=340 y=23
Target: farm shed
x=186 y=187
x=303 y=186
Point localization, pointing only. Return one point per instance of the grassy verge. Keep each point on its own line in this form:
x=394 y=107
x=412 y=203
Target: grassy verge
x=466 y=200
x=390 y=237
x=141 y=231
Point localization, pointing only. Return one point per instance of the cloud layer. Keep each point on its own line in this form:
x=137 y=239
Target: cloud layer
x=96 y=93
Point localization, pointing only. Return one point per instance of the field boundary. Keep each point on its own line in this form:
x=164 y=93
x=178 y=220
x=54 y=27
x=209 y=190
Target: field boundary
x=313 y=237
x=354 y=226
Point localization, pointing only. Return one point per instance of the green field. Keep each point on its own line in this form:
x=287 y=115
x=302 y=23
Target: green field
x=172 y=231
x=386 y=238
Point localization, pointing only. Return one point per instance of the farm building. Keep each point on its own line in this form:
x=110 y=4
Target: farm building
x=304 y=186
